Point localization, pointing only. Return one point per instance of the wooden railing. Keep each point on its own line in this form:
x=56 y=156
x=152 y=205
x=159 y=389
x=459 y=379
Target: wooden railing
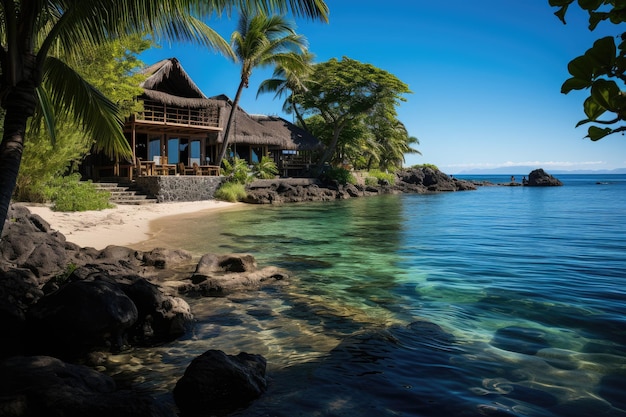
x=161 y=113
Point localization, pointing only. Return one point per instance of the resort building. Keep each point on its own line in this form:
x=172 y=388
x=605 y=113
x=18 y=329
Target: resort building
x=180 y=131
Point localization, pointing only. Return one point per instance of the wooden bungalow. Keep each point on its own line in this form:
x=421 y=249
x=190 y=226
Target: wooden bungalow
x=294 y=155
x=180 y=130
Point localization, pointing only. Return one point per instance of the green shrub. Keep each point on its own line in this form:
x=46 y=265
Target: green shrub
x=266 y=168
x=379 y=175
x=237 y=170
x=341 y=175
x=231 y=191
x=371 y=181
x=70 y=194
x=431 y=166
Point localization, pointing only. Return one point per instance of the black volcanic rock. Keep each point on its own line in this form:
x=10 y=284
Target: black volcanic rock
x=540 y=178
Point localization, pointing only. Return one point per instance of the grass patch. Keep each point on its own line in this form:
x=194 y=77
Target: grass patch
x=231 y=191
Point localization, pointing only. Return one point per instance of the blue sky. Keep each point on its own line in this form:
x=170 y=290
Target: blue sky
x=485 y=76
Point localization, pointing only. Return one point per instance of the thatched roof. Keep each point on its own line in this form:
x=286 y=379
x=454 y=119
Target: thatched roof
x=293 y=137
x=172 y=100
x=168 y=76
x=245 y=129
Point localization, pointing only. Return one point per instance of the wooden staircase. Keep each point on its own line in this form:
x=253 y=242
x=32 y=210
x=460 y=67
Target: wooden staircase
x=125 y=193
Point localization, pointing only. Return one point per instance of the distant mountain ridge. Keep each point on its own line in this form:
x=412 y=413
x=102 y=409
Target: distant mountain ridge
x=522 y=170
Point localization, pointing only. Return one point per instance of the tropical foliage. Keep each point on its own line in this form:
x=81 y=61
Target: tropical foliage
x=265 y=169
x=70 y=194
x=261 y=41
x=32 y=77
x=600 y=70
x=290 y=81
x=112 y=69
x=237 y=170
x=231 y=191
x=351 y=98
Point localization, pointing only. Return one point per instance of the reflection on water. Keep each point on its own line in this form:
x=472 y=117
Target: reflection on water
x=503 y=301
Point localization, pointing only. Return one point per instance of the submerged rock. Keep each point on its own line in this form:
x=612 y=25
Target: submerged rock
x=217 y=383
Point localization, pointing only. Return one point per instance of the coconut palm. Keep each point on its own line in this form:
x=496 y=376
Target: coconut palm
x=32 y=77
x=290 y=81
x=261 y=41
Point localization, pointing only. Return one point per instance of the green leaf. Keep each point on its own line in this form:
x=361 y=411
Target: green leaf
x=562 y=11
x=581 y=67
x=602 y=55
x=596 y=133
x=593 y=109
x=590 y=5
x=574 y=84
x=606 y=94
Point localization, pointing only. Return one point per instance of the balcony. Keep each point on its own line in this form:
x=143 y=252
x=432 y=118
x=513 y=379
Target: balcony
x=155 y=113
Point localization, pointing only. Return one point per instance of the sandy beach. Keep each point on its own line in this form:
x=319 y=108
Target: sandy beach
x=123 y=225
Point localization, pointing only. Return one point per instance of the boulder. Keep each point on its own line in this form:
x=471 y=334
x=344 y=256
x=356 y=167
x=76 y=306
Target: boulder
x=28 y=242
x=217 y=275
x=539 y=178
x=160 y=317
x=162 y=258
x=42 y=386
x=79 y=316
x=216 y=383
x=19 y=289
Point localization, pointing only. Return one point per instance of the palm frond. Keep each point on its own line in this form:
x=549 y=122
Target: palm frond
x=46 y=112
x=86 y=105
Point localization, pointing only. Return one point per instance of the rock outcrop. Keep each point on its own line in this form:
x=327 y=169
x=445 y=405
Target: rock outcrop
x=60 y=302
x=295 y=190
x=38 y=386
x=540 y=178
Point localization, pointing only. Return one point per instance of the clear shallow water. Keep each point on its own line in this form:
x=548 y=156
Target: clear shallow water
x=501 y=301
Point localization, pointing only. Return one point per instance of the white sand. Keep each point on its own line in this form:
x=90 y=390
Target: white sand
x=123 y=225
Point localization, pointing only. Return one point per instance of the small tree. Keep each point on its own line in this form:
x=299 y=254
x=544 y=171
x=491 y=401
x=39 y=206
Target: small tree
x=347 y=90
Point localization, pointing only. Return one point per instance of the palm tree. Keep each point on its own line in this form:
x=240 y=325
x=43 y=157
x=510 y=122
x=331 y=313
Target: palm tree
x=260 y=41
x=290 y=81
x=32 y=78
x=395 y=145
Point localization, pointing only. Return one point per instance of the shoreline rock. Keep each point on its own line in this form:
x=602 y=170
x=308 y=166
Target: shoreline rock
x=424 y=180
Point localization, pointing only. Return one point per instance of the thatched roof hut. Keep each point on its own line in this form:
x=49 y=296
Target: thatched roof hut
x=245 y=129
x=169 y=84
x=291 y=135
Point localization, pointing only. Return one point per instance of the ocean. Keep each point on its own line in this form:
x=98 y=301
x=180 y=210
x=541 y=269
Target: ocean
x=504 y=301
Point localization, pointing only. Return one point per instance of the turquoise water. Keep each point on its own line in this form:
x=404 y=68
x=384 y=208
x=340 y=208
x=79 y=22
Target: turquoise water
x=525 y=287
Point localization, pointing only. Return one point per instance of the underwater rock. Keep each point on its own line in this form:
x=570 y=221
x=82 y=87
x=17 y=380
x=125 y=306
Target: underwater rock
x=217 y=383
x=520 y=339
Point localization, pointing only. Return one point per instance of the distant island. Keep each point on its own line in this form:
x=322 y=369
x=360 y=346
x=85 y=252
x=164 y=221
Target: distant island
x=519 y=170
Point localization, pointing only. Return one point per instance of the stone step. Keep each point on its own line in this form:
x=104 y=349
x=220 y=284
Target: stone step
x=125 y=193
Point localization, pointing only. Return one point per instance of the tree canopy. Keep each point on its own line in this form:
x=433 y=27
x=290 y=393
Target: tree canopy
x=600 y=69
x=343 y=92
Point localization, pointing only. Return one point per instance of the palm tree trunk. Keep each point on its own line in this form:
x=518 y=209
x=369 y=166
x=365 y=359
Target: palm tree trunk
x=20 y=105
x=229 y=124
